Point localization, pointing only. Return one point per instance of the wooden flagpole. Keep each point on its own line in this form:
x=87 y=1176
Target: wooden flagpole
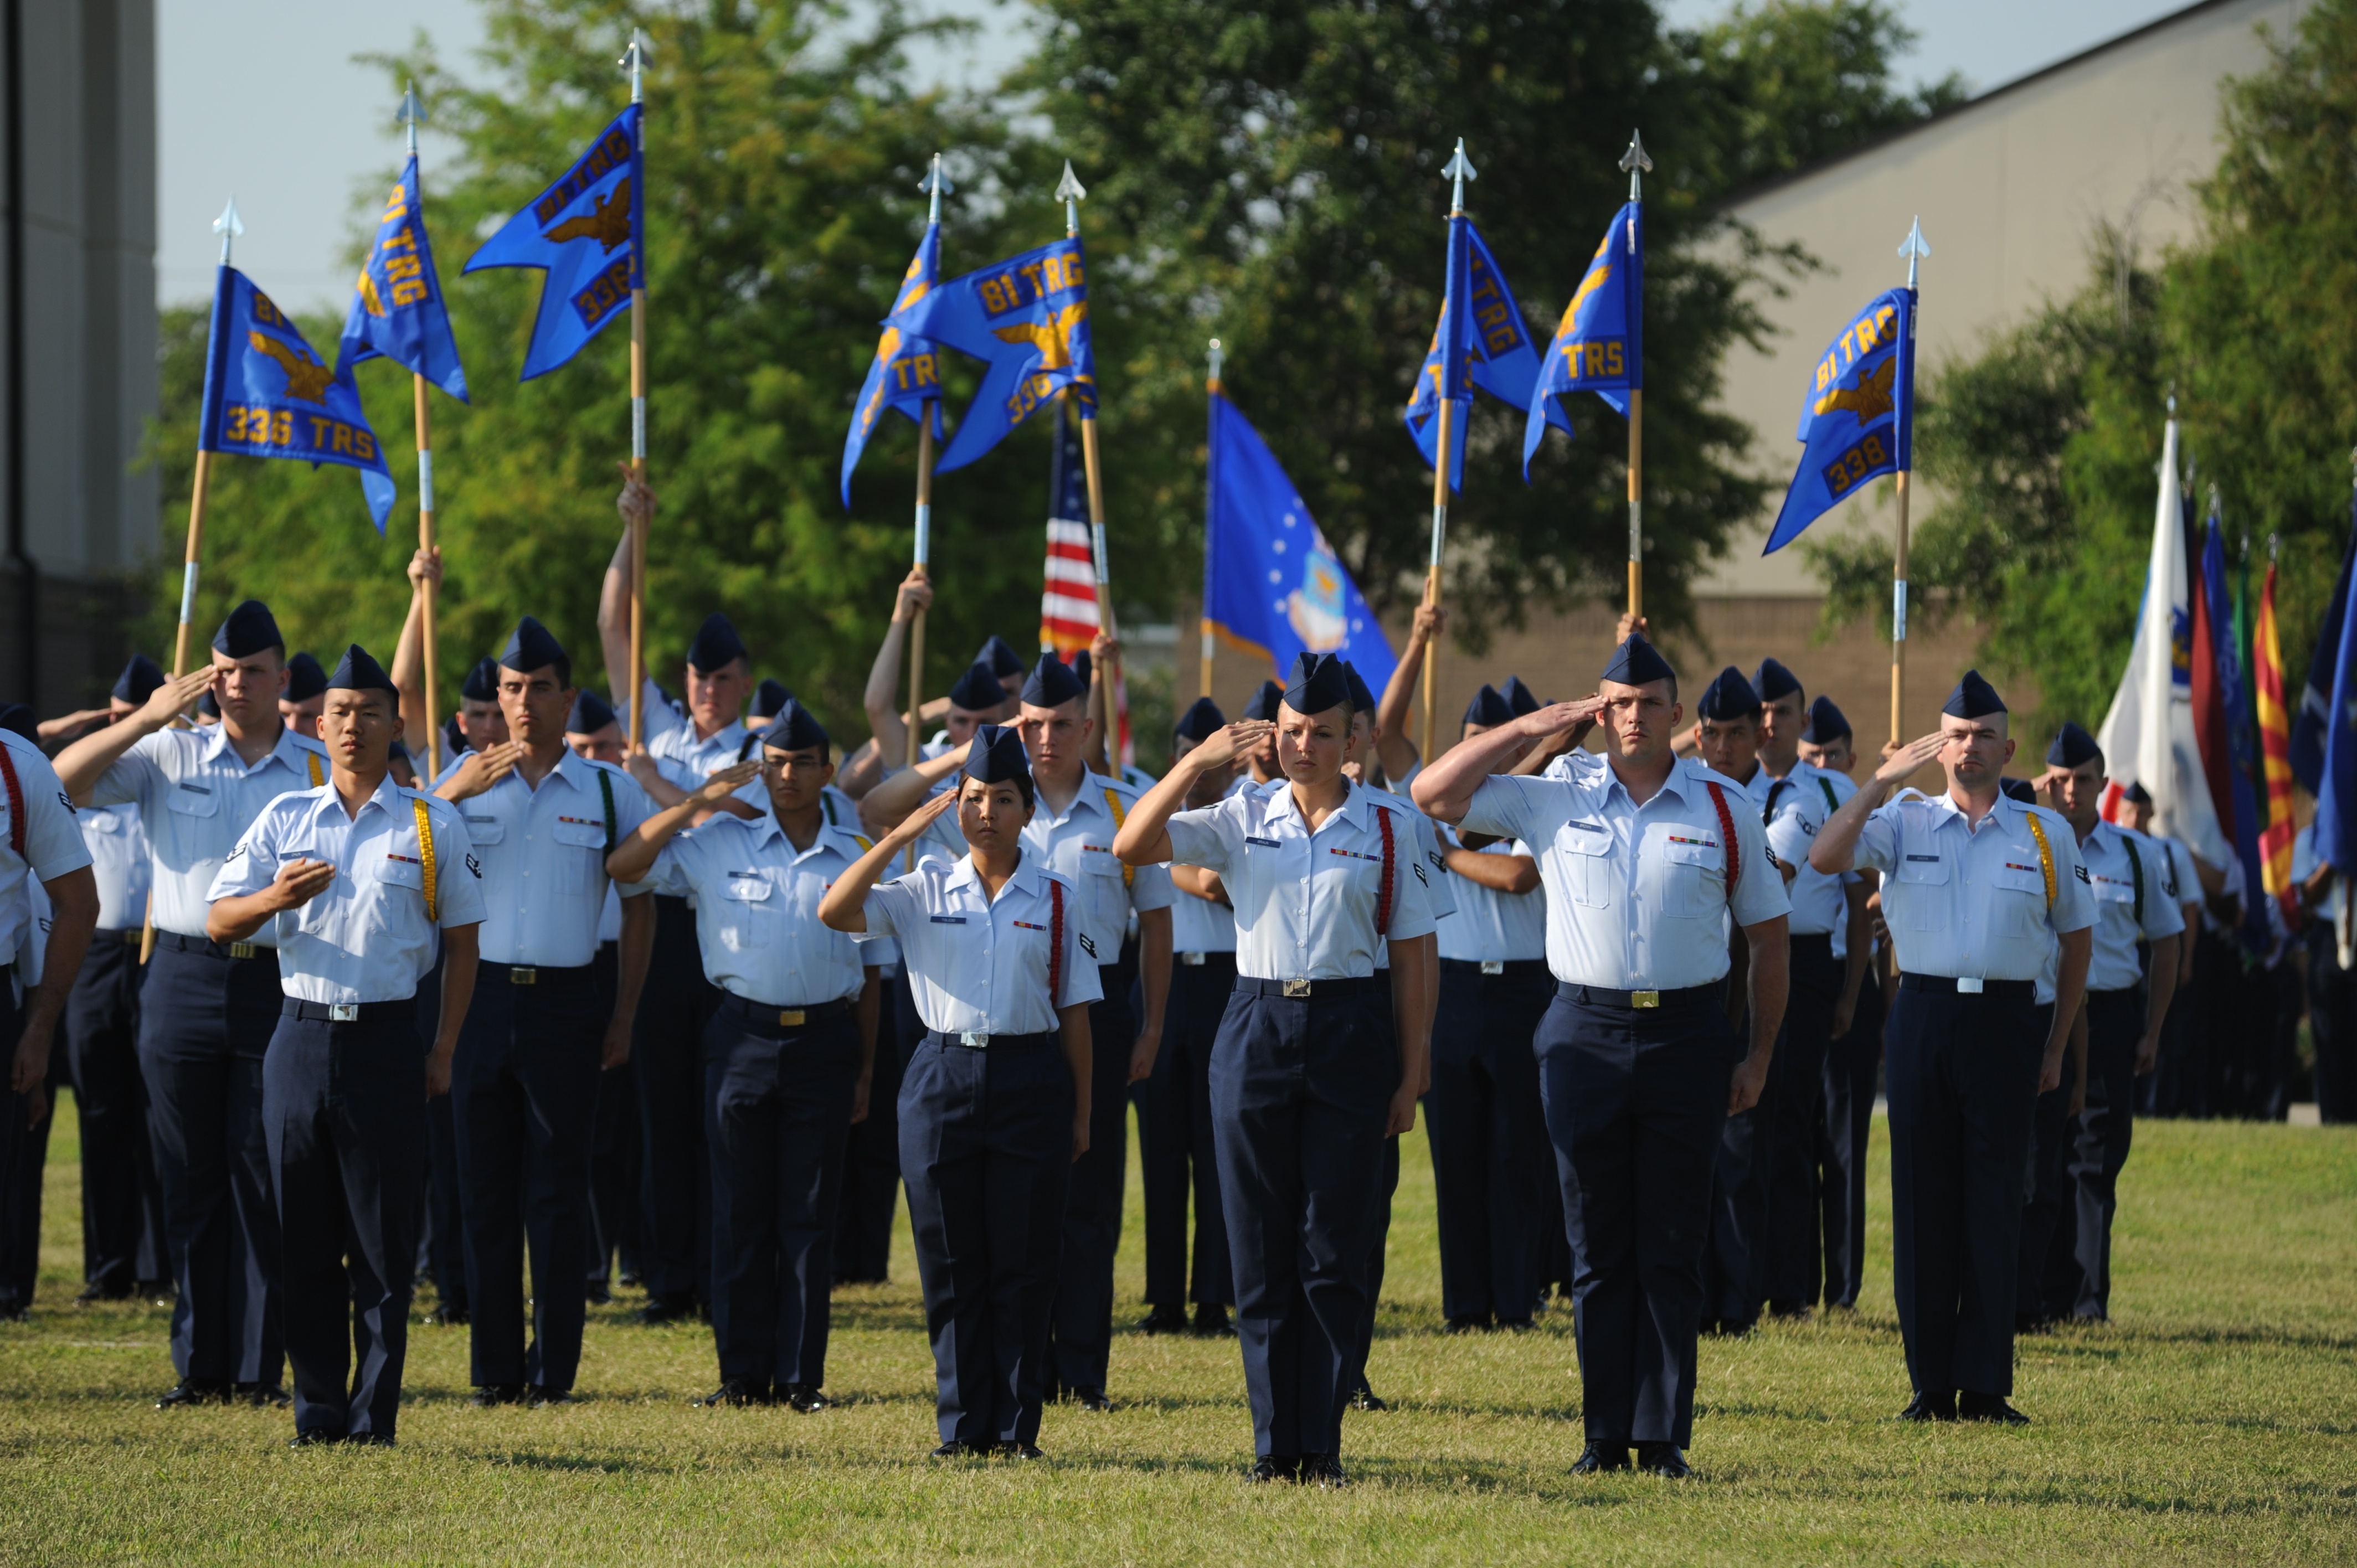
x=635 y=59
x=1212 y=388
x=1636 y=163
x=1071 y=192
x=1459 y=170
x=413 y=114
x=936 y=184
x=1913 y=248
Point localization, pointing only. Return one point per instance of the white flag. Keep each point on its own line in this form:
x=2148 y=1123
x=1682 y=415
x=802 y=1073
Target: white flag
x=2147 y=737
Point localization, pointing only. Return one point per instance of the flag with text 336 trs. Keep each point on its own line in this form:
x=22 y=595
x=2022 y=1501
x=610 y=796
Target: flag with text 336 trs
x=268 y=395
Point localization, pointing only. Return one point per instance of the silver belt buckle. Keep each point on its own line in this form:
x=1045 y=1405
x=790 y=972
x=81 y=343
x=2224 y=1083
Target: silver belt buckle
x=517 y=974
x=1191 y=960
x=1968 y=984
x=1644 y=999
x=1492 y=966
x=1297 y=988
x=241 y=949
x=974 y=1039
x=344 y=1011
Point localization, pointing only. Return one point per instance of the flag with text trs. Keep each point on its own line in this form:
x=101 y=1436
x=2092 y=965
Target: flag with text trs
x=587 y=232
x=267 y=395
x=1026 y=318
x=1598 y=345
x=397 y=310
x=1858 y=420
x=1480 y=341
x=906 y=372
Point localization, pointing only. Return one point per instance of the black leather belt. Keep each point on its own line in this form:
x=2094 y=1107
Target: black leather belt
x=975 y=1040
x=751 y=1012
x=1514 y=967
x=1198 y=959
x=129 y=938
x=1316 y=990
x=403 y=1010
x=2009 y=989
x=211 y=949
x=1714 y=994
x=529 y=974
x=1816 y=944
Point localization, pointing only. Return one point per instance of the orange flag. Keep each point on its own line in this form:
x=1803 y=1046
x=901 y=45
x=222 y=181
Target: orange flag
x=2275 y=746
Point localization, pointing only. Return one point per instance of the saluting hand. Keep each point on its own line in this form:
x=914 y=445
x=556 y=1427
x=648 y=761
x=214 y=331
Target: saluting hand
x=1557 y=718
x=719 y=787
x=912 y=826
x=1902 y=764
x=173 y=698
x=1241 y=738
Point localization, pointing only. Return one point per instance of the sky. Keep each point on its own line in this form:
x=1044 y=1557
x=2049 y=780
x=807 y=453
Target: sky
x=303 y=161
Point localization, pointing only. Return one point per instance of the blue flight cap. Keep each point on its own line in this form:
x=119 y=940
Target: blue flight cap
x=795 y=730
x=1264 y=703
x=1520 y=699
x=21 y=720
x=996 y=754
x=1002 y=659
x=483 y=683
x=1202 y=722
x=2016 y=789
x=716 y=644
x=1974 y=698
x=978 y=690
x=1634 y=663
x=1082 y=667
x=1318 y=683
x=1053 y=683
x=208 y=706
x=250 y=628
x=138 y=680
x=1489 y=708
x=532 y=647
x=770 y=699
x=2137 y=795
x=1362 y=699
x=1825 y=723
x=2074 y=748
x=305 y=679
x=454 y=743
x=1772 y=681
x=357 y=671
x=591 y=713
x=1729 y=697
x=398 y=749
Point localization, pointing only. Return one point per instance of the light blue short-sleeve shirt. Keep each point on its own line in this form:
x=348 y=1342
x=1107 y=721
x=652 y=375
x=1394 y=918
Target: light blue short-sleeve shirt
x=1972 y=901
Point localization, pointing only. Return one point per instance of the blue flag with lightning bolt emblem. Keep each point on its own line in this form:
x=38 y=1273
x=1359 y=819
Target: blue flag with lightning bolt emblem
x=397 y=309
x=1481 y=342
x=267 y=395
x=587 y=230
x=906 y=372
x=1598 y=345
x=1026 y=318
x=1859 y=419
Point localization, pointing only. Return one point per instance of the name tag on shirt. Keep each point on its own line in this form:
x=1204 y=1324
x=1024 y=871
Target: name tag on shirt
x=1931 y=859
x=1584 y=827
x=197 y=789
x=949 y=919
x=1264 y=844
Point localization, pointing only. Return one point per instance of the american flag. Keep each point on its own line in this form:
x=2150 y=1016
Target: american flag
x=1068 y=596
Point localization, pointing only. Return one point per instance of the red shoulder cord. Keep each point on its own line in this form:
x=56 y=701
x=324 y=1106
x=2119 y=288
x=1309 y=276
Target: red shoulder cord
x=1383 y=901
x=16 y=802
x=1055 y=944
x=1727 y=826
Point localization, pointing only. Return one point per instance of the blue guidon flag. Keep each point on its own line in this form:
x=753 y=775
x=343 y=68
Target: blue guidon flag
x=906 y=373
x=588 y=231
x=1026 y=318
x=1480 y=341
x=268 y=395
x=1859 y=420
x=1599 y=346
x=397 y=309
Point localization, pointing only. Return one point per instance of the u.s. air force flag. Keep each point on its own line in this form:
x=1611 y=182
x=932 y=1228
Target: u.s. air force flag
x=587 y=230
x=1859 y=419
x=397 y=311
x=1598 y=345
x=906 y=372
x=267 y=395
x=1026 y=318
x=1270 y=583
x=1480 y=341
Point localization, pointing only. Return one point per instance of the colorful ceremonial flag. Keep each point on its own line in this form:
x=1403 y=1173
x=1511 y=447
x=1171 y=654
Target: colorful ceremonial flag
x=2336 y=795
x=906 y=372
x=587 y=230
x=2148 y=737
x=1270 y=583
x=1481 y=342
x=1068 y=601
x=2230 y=753
x=267 y=395
x=2275 y=745
x=1598 y=345
x=1026 y=318
x=2315 y=721
x=1858 y=420
x=397 y=308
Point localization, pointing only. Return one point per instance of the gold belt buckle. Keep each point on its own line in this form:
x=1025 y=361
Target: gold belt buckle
x=520 y=975
x=241 y=949
x=1297 y=988
x=790 y=1017
x=1644 y=999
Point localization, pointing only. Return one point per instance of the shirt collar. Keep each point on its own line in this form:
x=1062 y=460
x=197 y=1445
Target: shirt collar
x=387 y=797
x=288 y=749
x=1282 y=804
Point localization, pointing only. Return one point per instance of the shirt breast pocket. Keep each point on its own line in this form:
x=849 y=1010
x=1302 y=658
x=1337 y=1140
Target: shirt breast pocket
x=747 y=909
x=1588 y=864
x=1693 y=873
x=1921 y=888
x=582 y=850
x=198 y=823
x=2018 y=905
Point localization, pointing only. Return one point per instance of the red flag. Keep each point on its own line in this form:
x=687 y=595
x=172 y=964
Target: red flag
x=2275 y=745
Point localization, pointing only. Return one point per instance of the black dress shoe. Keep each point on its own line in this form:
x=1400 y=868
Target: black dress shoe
x=678 y=1310
x=734 y=1393
x=447 y=1317
x=1016 y=1450
x=1363 y=1397
x=1323 y=1470
x=540 y=1398
x=195 y=1390
x=315 y=1440
x=1464 y=1325
x=491 y=1394
x=803 y=1398
x=954 y=1449
x=1598 y=1458
x=262 y=1396
x=1789 y=1311
x=1513 y=1325
x=598 y=1294
x=628 y=1280
x=1211 y=1321
x=2032 y=1323
x=156 y=1292
x=1090 y=1399
x=1164 y=1320
x=1971 y=1406
x=1662 y=1459
x=94 y=1293
x=369 y=1440
x=1275 y=1467
x=1930 y=1405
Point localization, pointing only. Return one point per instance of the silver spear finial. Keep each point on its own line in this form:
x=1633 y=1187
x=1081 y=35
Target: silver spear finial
x=411 y=113
x=1637 y=164
x=634 y=60
x=229 y=226
x=1218 y=357
x=1071 y=193
x=1459 y=169
x=936 y=183
x=1914 y=247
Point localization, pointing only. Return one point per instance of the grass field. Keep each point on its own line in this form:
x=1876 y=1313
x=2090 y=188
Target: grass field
x=2216 y=1420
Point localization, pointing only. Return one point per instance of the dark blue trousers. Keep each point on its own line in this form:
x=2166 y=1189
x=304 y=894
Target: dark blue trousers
x=523 y=1098
x=1784 y=1267
x=1734 y=1278
x=986 y=1150
x=1635 y=1099
x=121 y=1206
x=442 y=1239
x=778 y=1105
x=871 y=1152
x=615 y=1148
x=1176 y=1142
x=1964 y=1097
x=24 y=1153
x=344 y=1107
x=1492 y=1164
x=1845 y=1125
x=1300 y=1091
x=205 y=1021
x=1080 y=1325
x=667 y=1059
x=2099 y=1144
x=2045 y=1200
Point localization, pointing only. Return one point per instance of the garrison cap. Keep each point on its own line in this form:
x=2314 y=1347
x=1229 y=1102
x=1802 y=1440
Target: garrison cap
x=1974 y=698
x=483 y=683
x=357 y=671
x=1729 y=697
x=1825 y=722
x=532 y=647
x=398 y=749
x=591 y=713
x=1772 y=681
x=1360 y=698
x=2074 y=748
x=1520 y=698
x=250 y=628
x=978 y=690
x=208 y=706
x=1202 y=722
x=769 y=698
x=1053 y=683
x=138 y=680
x=1263 y=706
x=716 y=644
x=1635 y=663
x=1082 y=668
x=1318 y=683
x=22 y=720
x=1489 y=708
x=453 y=742
x=1002 y=659
x=795 y=730
x=996 y=754
x=2016 y=789
x=2137 y=795
x=305 y=679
